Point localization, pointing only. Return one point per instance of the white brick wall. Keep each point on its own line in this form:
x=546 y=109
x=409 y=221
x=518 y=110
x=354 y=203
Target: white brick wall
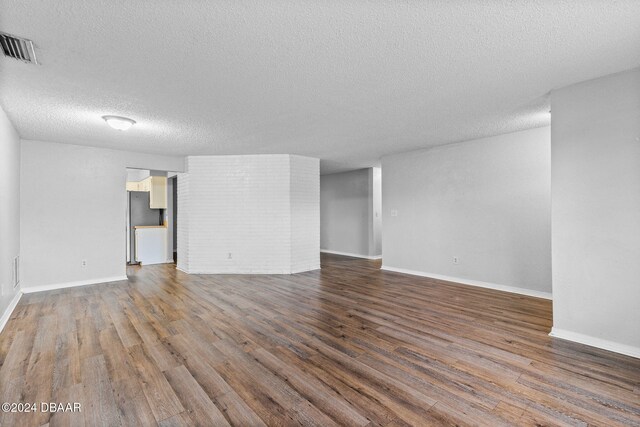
x=183 y=222
x=305 y=214
x=235 y=214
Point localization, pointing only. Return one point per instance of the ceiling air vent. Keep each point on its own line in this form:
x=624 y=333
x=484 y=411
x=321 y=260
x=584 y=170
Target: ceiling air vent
x=18 y=48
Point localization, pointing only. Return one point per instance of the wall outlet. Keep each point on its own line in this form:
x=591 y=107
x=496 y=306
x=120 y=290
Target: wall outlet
x=83 y=263
x=456 y=260
x=394 y=212
x=229 y=255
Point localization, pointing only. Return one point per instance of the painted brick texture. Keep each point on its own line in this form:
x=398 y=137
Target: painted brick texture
x=249 y=214
x=305 y=214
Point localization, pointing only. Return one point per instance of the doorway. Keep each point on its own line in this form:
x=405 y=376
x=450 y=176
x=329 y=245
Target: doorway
x=151 y=217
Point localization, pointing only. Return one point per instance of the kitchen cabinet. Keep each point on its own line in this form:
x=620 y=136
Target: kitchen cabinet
x=145 y=185
x=157 y=192
x=156 y=186
x=133 y=186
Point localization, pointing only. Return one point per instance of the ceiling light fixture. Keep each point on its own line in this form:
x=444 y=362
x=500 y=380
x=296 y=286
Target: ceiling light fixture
x=119 y=123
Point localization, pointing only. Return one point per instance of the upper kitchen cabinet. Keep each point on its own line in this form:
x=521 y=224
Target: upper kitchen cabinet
x=157 y=192
x=145 y=185
x=156 y=186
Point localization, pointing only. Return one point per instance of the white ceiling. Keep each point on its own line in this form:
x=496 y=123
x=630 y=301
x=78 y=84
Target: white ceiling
x=347 y=81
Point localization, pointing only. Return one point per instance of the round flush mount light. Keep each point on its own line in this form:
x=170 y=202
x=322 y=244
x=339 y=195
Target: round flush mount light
x=119 y=123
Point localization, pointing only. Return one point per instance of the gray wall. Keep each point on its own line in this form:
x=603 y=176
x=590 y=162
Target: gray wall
x=348 y=208
x=486 y=202
x=595 y=134
x=9 y=208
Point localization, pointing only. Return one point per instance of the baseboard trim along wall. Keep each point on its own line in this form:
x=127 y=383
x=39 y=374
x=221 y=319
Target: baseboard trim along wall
x=305 y=269
x=9 y=311
x=476 y=283
x=53 y=286
x=595 y=342
x=249 y=272
x=326 y=251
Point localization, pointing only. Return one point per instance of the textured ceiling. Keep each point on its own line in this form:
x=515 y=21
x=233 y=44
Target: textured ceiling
x=343 y=80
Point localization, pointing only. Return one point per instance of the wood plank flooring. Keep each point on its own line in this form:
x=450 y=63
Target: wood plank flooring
x=346 y=345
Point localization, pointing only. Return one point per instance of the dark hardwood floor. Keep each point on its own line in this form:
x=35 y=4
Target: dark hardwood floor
x=349 y=345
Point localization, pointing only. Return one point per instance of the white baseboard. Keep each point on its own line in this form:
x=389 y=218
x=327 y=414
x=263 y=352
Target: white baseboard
x=238 y=272
x=477 y=283
x=305 y=269
x=595 y=342
x=326 y=251
x=7 y=313
x=51 y=287
x=248 y=272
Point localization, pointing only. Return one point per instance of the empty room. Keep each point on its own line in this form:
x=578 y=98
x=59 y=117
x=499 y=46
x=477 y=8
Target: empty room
x=303 y=213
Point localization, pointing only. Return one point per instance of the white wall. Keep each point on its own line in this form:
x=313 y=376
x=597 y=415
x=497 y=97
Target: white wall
x=375 y=241
x=9 y=209
x=236 y=214
x=485 y=201
x=137 y=175
x=73 y=208
x=168 y=219
x=305 y=213
x=184 y=202
x=349 y=203
x=595 y=136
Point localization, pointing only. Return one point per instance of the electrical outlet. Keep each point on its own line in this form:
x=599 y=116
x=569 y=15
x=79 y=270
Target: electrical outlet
x=394 y=212
x=84 y=263
x=229 y=256
x=456 y=260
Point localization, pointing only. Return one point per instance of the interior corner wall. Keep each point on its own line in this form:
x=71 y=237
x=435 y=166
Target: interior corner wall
x=305 y=213
x=168 y=219
x=375 y=242
x=348 y=205
x=9 y=209
x=244 y=214
x=72 y=208
x=183 y=205
x=595 y=158
x=485 y=202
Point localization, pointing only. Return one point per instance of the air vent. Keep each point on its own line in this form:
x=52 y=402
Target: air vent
x=18 y=48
